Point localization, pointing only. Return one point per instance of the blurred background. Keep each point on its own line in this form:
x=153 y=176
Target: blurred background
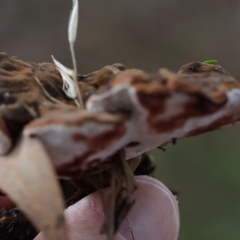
x=149 y=34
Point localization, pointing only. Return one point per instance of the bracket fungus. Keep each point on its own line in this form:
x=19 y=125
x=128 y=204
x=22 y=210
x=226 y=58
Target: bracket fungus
x=44 y=136
x=64 y=135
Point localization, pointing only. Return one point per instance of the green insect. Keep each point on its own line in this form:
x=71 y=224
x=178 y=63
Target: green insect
x=210 y=62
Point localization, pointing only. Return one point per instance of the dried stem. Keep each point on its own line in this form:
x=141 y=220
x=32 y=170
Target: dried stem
x=46 y=93
x=79 y=101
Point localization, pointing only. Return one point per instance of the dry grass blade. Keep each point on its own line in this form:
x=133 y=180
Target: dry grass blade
x=61 y=67
x=28 y=178
x=46 y=93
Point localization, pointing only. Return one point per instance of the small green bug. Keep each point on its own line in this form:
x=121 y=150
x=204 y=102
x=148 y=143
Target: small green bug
x=210 y=62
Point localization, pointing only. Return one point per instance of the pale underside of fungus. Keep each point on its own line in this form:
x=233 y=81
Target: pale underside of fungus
x=44 y=136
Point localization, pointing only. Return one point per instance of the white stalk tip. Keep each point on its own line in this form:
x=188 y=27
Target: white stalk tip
x=73 y=23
